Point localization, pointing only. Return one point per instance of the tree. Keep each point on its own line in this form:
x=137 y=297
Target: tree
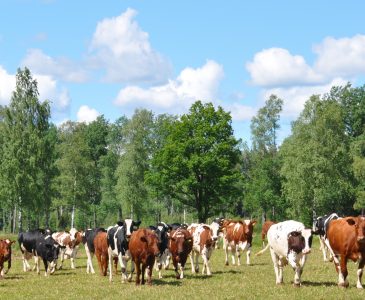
x=199 y=158
x=316 y=162
x=263 y=189
x=134 y=162
x=25 y=162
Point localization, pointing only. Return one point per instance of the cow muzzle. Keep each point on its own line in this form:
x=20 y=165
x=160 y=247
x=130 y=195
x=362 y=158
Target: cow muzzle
x=215 y=238
x=361 y=238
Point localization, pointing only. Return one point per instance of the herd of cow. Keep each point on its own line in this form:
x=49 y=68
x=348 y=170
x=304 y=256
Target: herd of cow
x=289 y=243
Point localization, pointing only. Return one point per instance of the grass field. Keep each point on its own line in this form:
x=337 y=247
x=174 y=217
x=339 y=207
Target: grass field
x=256 y=281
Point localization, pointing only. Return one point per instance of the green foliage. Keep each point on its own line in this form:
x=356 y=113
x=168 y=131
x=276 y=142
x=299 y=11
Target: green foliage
x=316 y=162
x=198 y=160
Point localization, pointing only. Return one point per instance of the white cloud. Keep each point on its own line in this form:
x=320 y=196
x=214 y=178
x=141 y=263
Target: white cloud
x=240 y=112
x=177 y=95
x=7 y=86
x=295 y=97
x=277 y=66
x=47 y=87
x=87 y=114
x=341 y=57
x=61 y=68
x=123 y=49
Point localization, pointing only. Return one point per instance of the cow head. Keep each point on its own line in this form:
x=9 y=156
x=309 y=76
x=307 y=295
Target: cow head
x=317 y=224
x=5 y=246
x=359 y=224
x=152 y=242
x=129 y=226
x=183 y=240
x=51 y=251
x=300 y=241
x=216 y=227
x=249 y=224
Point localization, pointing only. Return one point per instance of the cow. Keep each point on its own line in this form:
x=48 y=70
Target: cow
x=320 y=226
x=143 y=248
x=163 y=260
x=180 y=246
x=203 y=244
x=289 y=242
x=118 y=237
x=237 y=236
x=346 y=240
x=101 y=251
x=5 y=255
x=216 y=227
x=40 y=244
x=69 y=244
x=264 y=230
x=88 y=241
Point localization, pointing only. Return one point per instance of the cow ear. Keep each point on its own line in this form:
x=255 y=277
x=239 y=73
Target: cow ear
x=137 y=223
x=143 y=239
x=189 y=240
x=351 y=221
x=253 y=222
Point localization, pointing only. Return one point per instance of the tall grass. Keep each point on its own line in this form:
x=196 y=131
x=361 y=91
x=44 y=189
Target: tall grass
x=256 y=281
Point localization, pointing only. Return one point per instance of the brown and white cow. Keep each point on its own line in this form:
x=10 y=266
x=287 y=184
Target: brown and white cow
x=5 y=255
x=264 y=230
x=203 y=244
x=143 y=247
x=69 y=244
x=346 y=240
x=237 y=236
x=180 y=246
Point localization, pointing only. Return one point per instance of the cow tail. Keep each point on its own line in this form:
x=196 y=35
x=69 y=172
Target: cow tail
x=263 y=250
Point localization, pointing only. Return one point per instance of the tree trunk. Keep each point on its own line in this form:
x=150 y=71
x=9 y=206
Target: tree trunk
x=120 y=213
x=94 y=216
x=47 y=217
x=14 y=220
x=73 y=216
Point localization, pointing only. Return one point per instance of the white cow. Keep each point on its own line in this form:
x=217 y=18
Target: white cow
x=203 y=245
x=289 y=242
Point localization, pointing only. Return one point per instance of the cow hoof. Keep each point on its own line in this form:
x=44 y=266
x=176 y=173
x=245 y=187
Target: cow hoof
x=297 y=285
x=177 y=276
x=359 y=286
x=227 y=264
x=343 y=285
x=280 y=283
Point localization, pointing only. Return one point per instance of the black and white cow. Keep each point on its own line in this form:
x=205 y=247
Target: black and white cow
x=289 y=242
x=163 y=260
x=118 y=239
x=40 y=244
x=320 y=226
x=217 y=226
x=88 y=240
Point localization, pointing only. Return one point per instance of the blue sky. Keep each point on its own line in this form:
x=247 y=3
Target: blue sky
x=111 y=57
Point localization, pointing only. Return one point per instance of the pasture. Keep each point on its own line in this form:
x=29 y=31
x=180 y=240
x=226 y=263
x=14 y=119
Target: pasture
x=227 y=282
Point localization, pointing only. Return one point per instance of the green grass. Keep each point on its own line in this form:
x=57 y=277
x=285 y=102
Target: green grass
x=227 y=282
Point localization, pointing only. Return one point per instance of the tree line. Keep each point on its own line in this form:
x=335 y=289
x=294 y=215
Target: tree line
x=179 y=168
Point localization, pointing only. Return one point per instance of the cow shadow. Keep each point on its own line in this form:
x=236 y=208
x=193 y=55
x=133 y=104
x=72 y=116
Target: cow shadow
x=7 y=277
x=62 y=273
x=318 y=283
x=162 y=282
x=229 y=271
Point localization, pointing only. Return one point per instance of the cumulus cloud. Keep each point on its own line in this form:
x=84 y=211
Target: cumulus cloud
x=341 y=57
x=7 y=86
x=123 y=49
x=177 y=95
x=47 y=87
x=61 y=68
x=295 y=97
x=277 y=66
x=87 y=114
x=240 y=112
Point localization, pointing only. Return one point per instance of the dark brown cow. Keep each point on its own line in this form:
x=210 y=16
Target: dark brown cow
x=101 y=252
x=180 y=245
x=346 y=238
x=237 y=236
x=264 y=230
x=143 y=247
x=5 y=255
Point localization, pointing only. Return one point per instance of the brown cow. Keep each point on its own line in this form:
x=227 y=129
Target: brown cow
x=264 y=230
x=143 y=247
x=237 y=236
x=180 y=245
x=5 y=255
x=203 y=245
x=101 y=252
x=346 y=239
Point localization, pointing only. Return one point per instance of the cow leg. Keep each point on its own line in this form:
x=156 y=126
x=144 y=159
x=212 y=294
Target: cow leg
x=149 y=273
x=72 y=260
x=238 y=253
x=1 y=271
x=278 y=273
x=89 y=262
x=138 y=271
x=248 y=254
x=110 y=256
x=197 y=262
x=45 y=263
x=225 y=248
x=342 y=274
x=143 y=272
x=359 y=272
x=62 y=257
x=174 y=262
x=323 y=248
x=205 y=257
x=99 y=259
x=37 y=262
x=191 y=255
x=123 y=267
x=182 y=267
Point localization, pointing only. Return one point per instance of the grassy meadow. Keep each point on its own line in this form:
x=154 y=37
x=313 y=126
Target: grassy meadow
x=256 y=281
